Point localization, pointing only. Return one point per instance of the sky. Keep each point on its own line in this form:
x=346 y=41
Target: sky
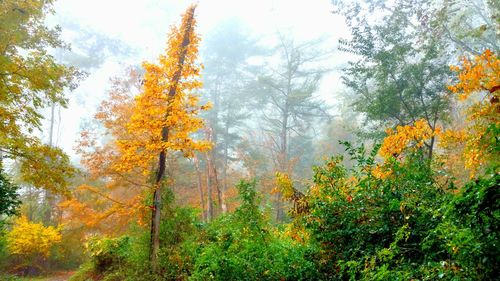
x=143 y=25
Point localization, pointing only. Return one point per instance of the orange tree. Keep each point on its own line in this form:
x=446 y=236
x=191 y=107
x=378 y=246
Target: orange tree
x=479 y=85
x=109 y=199
x=165 y=115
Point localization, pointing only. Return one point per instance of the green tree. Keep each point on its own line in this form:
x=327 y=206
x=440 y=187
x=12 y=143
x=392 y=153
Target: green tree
x=9 y=199
x=401 y=69
x=227 y=76
x=291 y=107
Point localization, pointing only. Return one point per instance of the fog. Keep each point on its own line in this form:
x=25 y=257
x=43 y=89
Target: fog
x=126 y=33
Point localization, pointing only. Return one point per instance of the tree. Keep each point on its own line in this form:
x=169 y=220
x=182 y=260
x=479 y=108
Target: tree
x=226 y=79
x=30 y=79
x=32 y=241
x=479 y=84
x=9 y=199
x=471 y=26
x=108 y=199
x=165 y=114
x=400 y=74
x=291 y=105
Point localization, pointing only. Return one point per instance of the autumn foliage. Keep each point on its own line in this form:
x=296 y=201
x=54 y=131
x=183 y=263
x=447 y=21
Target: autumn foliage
x=32 y=242
x=411 y=196
x=479 y=85
x=156 y=108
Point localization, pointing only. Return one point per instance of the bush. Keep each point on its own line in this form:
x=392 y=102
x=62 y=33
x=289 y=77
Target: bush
x=404 y=226
x=242 y=246
x=108 y=253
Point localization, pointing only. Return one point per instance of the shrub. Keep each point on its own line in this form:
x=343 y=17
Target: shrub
x=108 y=253
x=31 y=243
x=242 y=246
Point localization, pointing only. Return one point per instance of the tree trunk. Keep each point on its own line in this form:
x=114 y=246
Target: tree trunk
x=156 y=208
x=283 y=162
x=224 y=169
x=49 y=196
x=431 y=147
x=210 y=214
x=216 y=180
x=200 y=189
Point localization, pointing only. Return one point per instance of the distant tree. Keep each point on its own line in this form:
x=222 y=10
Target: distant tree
x=291 y=109
x=471 y=26
x=227 y=76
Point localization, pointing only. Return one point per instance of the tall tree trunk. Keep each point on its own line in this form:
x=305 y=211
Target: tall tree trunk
x=283 y=162
x=200 y=188
x=156 y=208
x=220 y=199
x=224 y=168
x=49 y=196
x=215 y=180
x=212 y=170
x=210 y=213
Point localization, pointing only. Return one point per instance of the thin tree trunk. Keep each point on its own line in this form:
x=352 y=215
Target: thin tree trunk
x=283 y=163
x=216 y=180
x=431 y=147
x=49 y=197
x=210 y=214
x=212 y=179
x=156 y=208
x=224 y=170
x=200 y=189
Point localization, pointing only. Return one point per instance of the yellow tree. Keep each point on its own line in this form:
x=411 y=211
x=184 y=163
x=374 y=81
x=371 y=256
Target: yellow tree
x=30 y=80
x=32 y=241
x=479 y=84
x=165 y=114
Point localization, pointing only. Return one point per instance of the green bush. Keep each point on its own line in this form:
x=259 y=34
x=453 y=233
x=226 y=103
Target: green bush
x=403 y=227
x=241 y=246
x=360 y=227
x=108 y=253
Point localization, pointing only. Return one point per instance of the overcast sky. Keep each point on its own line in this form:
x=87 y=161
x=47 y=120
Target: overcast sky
x=143 y=26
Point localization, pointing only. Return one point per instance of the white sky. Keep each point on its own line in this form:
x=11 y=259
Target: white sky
x=144 y=24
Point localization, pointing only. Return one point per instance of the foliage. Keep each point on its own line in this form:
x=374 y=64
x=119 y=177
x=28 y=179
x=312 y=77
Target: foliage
x=354 y=215
x=9 y=199
x=469 y=232
x=392 y=211
x=167 y=101
x=108 y=252
x=478 y=82
x=243 y=246
x=30 y=80
x=400 y=70
x=31 y=242
x=399 y=140
x=108 y=206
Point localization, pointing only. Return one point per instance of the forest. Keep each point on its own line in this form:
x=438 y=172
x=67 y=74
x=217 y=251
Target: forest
x=360 y=142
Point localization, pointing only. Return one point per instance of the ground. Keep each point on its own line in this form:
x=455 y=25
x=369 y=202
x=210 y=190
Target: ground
x=59 y=276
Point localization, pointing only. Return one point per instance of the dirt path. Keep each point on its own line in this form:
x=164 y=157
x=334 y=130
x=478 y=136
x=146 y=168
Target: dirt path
x=62 y=276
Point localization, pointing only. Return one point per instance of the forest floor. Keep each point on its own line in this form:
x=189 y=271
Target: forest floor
x=59 y=276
